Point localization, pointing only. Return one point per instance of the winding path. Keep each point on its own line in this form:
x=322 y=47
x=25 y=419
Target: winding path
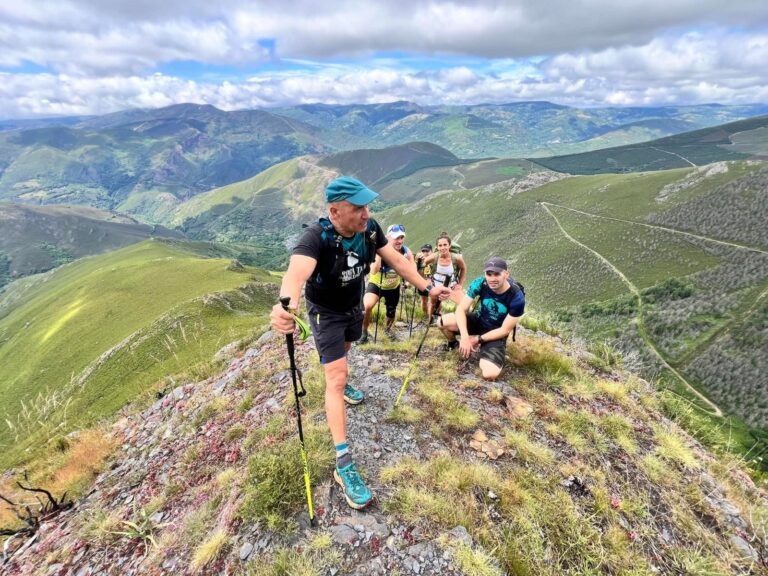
x=658 y=227
x=715 y=410
x=673 y=154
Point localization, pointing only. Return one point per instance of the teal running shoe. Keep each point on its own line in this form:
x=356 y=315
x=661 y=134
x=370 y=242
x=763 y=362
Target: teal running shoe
x=364 y=338
x=355 y=491
x=353 y=395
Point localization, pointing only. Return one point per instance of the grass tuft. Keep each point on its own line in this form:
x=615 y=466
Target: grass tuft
x=209 y=550
x=671 y=447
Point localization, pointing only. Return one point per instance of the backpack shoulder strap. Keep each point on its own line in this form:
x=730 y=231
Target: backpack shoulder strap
x=518 y=288
x=332 y=249
x=371 y=237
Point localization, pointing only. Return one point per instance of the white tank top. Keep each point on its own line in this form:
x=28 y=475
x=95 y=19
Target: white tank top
x=442 y=272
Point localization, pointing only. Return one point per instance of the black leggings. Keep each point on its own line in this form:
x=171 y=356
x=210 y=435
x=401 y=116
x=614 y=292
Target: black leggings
x=391 y=297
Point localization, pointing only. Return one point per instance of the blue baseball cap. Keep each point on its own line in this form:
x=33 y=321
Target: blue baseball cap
x=351 y=190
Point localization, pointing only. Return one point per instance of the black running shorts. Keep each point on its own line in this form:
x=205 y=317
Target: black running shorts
x=331 y=329
x=391 y=297
x=494 y=350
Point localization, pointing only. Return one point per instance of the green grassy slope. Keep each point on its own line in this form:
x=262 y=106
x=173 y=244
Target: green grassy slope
x=37 y=238
x=101 y=330
x=269 y=209
x=734 y=141
x=653 y=228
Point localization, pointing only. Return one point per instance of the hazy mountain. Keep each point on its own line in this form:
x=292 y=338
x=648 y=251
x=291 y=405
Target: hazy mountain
x=38 y=238
x=733 y=141
x=524 y=129
x=145 y=162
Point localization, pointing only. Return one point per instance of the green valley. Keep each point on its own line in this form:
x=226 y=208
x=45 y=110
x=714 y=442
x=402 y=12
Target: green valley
x=98 y=332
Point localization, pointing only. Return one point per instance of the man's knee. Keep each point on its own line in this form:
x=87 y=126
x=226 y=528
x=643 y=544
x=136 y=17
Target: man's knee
x=448 y=322
x=369 y=301
x=335 y=375
x=489 y=370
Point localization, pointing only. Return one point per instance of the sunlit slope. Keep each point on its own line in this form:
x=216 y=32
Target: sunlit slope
x=269 y=209
x=102 y=329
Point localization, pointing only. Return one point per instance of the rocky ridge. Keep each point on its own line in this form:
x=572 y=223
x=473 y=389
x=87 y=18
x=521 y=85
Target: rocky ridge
x=189 y=451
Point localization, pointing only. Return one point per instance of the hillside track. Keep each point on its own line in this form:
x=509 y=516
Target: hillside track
x=715 y=410
x=459 y=182
x=673 y=154
x=658 y=227
x=720 y=333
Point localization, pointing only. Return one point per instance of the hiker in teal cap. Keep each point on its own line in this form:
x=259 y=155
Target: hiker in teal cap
x=332 y=257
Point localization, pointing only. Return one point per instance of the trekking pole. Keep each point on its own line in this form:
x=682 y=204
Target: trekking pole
x=296 y=374
x=413 y=312
x=402 y=301
x=418 y=350
x=376 y=329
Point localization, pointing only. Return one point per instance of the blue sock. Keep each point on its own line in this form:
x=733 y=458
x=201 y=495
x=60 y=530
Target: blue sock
x=343 y=455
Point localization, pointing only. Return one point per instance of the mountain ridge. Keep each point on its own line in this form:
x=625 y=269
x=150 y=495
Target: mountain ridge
x=206 y=477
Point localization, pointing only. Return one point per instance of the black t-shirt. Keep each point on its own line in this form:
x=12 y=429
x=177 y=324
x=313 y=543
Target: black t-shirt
x=344 y=291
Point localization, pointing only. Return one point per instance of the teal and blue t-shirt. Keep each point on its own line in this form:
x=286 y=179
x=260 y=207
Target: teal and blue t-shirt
x=492 y=308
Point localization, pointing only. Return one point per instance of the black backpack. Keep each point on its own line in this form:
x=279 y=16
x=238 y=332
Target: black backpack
x=331 y=261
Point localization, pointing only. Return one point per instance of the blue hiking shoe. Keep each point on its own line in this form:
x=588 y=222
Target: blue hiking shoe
x=355 y=491
x=353 y=395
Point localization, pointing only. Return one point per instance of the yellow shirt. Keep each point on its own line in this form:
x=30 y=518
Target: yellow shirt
x=389 y=281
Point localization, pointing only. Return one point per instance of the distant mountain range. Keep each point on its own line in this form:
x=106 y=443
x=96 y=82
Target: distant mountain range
x=141 y=161
x=524 y=129
x=739 y=140
x=148 y=162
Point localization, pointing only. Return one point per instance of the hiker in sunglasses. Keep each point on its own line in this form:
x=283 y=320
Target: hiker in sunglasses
x=384 y=282
x=500 y=304
x=332 y=257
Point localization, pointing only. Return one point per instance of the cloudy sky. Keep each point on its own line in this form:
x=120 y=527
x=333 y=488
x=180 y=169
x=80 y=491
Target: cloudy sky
x=69 y=57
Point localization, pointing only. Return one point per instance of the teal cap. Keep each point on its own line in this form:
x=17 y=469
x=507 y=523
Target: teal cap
x=351 y=190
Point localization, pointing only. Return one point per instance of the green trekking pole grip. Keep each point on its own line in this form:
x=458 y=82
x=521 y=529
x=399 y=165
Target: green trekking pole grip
x=296 y=375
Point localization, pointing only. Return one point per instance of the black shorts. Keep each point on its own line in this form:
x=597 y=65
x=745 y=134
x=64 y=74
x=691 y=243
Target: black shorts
x=332 y=329
x=494 y=350
x=391 y=297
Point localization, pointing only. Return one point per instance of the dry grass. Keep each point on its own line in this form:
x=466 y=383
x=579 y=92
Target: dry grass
x=209 y=550
x=70 y=466
x=81 y=462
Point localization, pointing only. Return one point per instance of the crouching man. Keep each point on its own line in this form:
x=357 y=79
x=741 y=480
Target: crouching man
x=500 y=304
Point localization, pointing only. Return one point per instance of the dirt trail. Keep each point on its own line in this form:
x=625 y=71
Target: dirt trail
x=673 y=154
x=658 y=227
x=715 y=410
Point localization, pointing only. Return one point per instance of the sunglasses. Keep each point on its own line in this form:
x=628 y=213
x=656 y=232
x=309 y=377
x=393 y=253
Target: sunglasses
x=397 y=228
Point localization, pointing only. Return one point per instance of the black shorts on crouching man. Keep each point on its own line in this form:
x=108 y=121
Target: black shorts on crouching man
x=331 y=329
x=391 y=297
x=494 y=350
